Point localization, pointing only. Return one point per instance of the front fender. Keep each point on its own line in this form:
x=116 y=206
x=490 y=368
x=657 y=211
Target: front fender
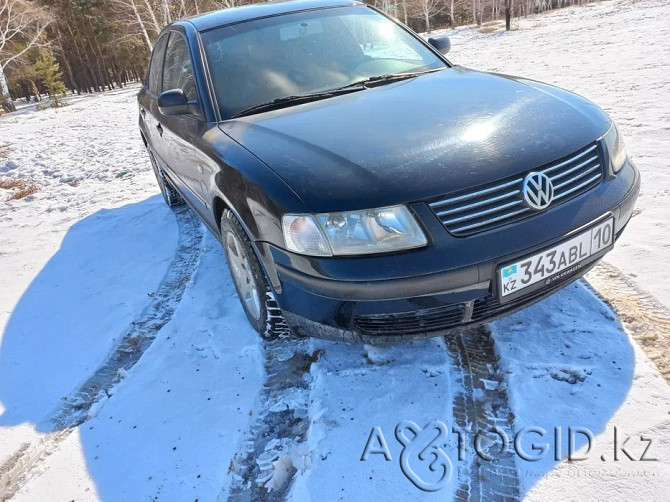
x=255 y=193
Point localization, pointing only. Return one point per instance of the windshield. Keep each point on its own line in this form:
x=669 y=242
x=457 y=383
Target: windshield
x=256 y=62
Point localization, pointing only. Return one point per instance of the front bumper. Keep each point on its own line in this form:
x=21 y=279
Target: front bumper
x=449 y=284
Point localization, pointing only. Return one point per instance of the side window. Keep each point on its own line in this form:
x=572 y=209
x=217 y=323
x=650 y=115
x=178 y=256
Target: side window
x=178 y=70
x=156 y=66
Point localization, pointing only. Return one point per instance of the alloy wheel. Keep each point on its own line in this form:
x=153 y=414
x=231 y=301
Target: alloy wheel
x=243 y=276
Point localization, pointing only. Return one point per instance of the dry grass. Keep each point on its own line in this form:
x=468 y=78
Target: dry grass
x=487 y=29
x=5 y=150
x=11 y=183
x=647 y=321
x=24 y=192
x=20 y=188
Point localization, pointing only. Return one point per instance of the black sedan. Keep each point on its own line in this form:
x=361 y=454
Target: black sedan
x=362 y=185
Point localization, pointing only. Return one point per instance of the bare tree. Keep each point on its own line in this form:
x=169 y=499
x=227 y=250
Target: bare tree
x=425 y=10
x=231 y=3
x=22 y=28
x=152 y=14
x=509 y=4
x=451 y=7
x=135 y=17
x=165 y=10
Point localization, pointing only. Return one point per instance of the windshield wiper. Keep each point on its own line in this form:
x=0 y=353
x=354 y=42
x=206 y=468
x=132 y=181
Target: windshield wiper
x=314 y=96
x=393 y=77
x=298 y=99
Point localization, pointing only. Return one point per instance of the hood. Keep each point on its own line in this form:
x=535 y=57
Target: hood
x=417 y=139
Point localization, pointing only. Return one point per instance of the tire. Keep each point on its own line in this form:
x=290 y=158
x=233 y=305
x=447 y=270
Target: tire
x=251 y=284
x=170 y=194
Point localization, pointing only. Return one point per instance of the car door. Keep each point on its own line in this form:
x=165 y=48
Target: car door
x=178 y=132
x=148 y=96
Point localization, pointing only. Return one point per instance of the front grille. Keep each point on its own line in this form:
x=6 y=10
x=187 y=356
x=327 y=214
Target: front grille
x=490 y=307
x=450 y=316
x=408 y=323
x=491 y=206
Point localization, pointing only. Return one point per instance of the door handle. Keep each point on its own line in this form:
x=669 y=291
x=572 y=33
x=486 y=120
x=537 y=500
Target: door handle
x=160 y=129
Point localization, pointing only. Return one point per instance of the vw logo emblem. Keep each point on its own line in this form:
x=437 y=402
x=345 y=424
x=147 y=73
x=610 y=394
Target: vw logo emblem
x=538 y=191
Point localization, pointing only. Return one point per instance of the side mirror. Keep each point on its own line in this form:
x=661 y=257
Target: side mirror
x=173 y=102
x=442 y=44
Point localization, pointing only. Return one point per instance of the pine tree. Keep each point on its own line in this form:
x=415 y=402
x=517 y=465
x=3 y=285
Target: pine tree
x=48 y=73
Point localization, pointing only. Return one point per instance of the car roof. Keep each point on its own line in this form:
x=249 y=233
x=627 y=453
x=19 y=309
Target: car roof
x=235 y=15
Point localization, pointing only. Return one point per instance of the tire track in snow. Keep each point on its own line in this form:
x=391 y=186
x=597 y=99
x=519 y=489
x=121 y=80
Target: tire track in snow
x=77 y=407
x=482 y=406
x=265 y=464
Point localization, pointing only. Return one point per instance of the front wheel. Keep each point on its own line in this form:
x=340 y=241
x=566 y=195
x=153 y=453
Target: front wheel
x=250 y=282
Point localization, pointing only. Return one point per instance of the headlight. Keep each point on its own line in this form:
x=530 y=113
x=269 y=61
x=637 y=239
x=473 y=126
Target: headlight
x=615 y=148
x=352 y=232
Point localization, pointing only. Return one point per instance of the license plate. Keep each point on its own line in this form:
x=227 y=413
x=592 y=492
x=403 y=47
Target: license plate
x=557 y=262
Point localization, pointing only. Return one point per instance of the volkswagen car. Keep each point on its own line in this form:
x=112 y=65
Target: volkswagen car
x=363 y=186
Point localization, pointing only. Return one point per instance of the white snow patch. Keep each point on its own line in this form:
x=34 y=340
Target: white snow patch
x=584 y=373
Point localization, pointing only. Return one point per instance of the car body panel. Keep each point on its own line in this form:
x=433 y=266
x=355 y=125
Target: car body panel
x=246 y=185
x=460 y=128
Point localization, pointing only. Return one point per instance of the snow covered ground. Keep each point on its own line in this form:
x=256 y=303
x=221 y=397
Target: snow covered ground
x=121 y=379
